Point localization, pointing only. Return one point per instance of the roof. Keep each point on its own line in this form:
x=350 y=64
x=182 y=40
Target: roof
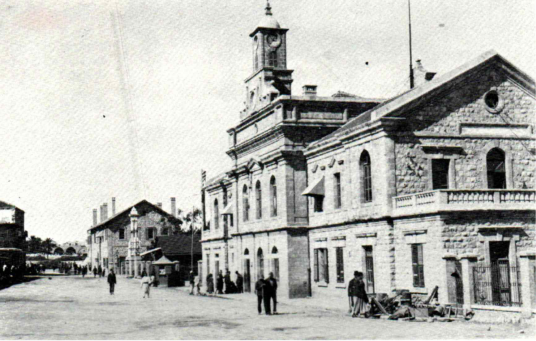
x=415 y=96
x=179 y=245
x=163 y=261
x=126 y=211
x=4 y=204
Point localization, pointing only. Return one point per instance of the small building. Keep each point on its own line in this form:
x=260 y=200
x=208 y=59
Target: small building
x=108 y=241
x=12 y=235
x=182 y=248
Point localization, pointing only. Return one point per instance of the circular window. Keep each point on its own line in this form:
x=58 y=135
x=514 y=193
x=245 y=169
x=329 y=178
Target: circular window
x=493 y=101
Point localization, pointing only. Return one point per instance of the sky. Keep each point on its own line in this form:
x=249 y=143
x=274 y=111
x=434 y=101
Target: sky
x=131 y=99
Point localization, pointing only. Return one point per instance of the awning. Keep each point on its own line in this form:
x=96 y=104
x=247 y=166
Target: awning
x=228 y=210
x=315 y=188
x=149 y=251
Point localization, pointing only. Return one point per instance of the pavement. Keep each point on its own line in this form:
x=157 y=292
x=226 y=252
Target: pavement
x=72 y=307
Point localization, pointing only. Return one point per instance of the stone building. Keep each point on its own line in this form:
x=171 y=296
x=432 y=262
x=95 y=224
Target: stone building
x=108 y=241
x=12 y=235
x=434 y=187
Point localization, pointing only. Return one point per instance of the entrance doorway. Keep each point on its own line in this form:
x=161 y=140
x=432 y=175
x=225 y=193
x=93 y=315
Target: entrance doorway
x=500 y=271
x=369 y=269
x=247 y=275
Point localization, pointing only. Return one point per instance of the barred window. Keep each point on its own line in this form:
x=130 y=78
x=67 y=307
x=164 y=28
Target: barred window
x=272 y=59
x=273 y=193
x=216 y=214
x=340 y=264
x=321 y=265
x=418 y=265
x=366 y=177
x=258 y=192
x=337 y=190
x=245 y=203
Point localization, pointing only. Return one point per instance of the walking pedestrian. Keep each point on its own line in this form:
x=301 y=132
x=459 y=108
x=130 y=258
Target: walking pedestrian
x=352 y=292
x=239 y=282
x=100 y=271
x=112 y=281
x=210 y=284
x=273 y=284
x=259 y=290
x=227 y=281
x=103 y=272
x=361 y=298
x=192 y=282
x=146 y=285
x=94 y=272
x=219 y=283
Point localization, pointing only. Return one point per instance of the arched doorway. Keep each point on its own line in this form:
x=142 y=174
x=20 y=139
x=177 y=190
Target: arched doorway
x=260 y=264
x=275 y=263
x=70 y=251
x=495 y=164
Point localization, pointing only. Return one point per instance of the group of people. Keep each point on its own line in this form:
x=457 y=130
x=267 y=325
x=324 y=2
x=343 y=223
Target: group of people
x=99 y=271
x=266 y=290
x=223 y=283
x=11 y=273
x=357 y=296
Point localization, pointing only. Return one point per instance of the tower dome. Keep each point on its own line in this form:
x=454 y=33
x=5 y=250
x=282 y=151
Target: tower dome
x=269 y=21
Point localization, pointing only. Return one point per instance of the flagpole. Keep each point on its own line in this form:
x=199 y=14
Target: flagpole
x=411 y=78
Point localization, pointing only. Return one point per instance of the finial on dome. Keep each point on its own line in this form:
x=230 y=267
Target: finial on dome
x=268 y=8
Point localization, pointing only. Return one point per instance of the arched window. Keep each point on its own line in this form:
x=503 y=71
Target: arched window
x=246 y=252
x=273 y=194
x=366 y=177
x=495 y=161
x=274 y=250
x=216 y=214
x=258 y=198
x=260 y=264
x=245 y=202
x=272 y=59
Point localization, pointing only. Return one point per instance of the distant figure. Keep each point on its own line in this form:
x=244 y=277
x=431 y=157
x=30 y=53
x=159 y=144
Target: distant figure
x=103 y=272
x=219 y=283
x=273 y=285
x=227 y=281
x=146 y=285
x=112 y=281
x=361 y=297
x=266 y=296
x=191 y=278
x=352 y=292
x=239 y=282
x=259 y=290
x=144 y=273
x=94 y=272
x=198 y=287
x=100 y=271
x=210 y=284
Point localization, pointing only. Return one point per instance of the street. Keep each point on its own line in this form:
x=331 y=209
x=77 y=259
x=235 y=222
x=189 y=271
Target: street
x=82 y=308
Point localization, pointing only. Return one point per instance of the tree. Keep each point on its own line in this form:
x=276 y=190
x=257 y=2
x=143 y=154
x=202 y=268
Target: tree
x=48 y=245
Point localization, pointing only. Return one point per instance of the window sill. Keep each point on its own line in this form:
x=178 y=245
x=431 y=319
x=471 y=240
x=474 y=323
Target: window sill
x=322 y=284
x=340 y=286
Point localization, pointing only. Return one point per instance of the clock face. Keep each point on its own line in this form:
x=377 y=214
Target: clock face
x=273 y=39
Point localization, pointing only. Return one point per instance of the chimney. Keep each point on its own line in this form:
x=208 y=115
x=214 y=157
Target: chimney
x=421 y=74
x=113 y=207
x=173 y=207
x=105 y=210
x=95 y=218
x=309 y=90
x=101 y=214
x=159 y=204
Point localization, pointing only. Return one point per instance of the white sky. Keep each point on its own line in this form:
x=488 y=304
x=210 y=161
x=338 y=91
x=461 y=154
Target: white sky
x=69 y=144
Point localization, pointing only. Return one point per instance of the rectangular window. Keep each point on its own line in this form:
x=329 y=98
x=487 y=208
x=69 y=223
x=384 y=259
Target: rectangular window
x=207 y=259
x=340 y=264
x=337 y=190
x=165 y=231
x=150 y=233
x=440 y=173
x=369 y=269
x=321 y=265
x=418 y=265
x=319 y=203
x=121 y=234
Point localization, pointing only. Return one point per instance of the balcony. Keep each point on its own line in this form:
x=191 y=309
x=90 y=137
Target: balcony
x=464 y=200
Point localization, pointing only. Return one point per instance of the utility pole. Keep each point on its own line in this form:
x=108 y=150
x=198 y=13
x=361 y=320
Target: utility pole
x=411 y=78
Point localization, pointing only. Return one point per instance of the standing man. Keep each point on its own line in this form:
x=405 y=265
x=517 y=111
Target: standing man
x=111 y=281
x=259 y=290
x=267 y=295
x=191 y=278
x=94 y=272
x=352 y=291
x=219 y=283
x=100 y=271
x=239 y=282
x=227 y=280
x=361 y=299
x=273 y=284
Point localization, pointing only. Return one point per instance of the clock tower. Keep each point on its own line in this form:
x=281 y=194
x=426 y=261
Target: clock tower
x=270 y=77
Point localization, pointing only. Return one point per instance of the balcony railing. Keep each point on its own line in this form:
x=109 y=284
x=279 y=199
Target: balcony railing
x=464 y=200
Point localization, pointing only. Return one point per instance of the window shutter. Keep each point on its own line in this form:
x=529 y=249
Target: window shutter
x=316 y=265
x=415 y=264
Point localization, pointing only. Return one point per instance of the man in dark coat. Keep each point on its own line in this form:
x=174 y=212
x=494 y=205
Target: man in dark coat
x=361 y=297
x=111 y=281
x=227 y=280
x=191 y=279
x=94 y=271
x=267 y=295
x=219 y=283
x=259 y=290
x=273 y=296
x=352 y=291
x=239 y=282
x=100 y=271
